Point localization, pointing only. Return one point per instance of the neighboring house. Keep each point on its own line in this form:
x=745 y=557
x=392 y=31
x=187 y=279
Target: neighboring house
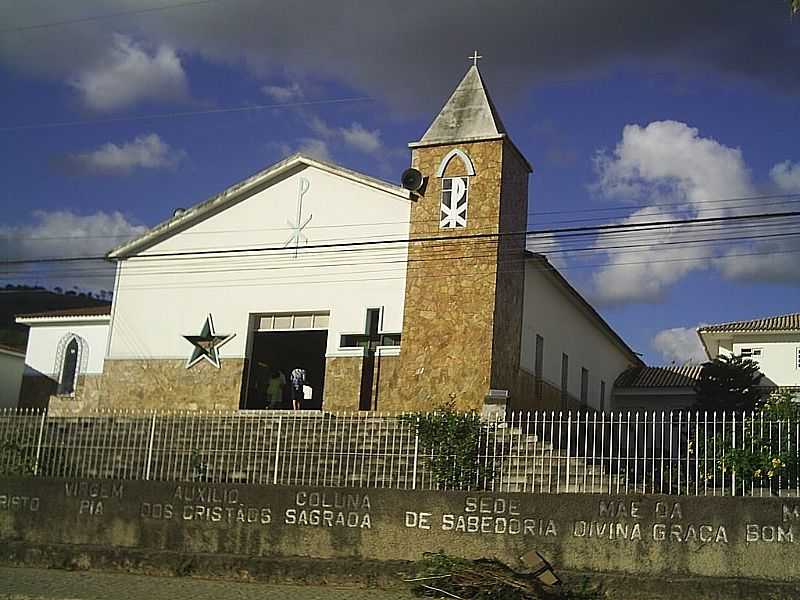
x=772 y=342
x=64 y=358
x=656 y=388
x=12 y=364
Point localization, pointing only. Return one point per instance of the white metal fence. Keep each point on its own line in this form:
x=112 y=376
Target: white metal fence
x=684 y=453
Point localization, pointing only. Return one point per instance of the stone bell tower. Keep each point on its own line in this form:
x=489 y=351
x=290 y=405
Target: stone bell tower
x=464 y=289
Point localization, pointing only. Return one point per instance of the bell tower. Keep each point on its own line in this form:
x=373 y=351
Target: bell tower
x=464 y=288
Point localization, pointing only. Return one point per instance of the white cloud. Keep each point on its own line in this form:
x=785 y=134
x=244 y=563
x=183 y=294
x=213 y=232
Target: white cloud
x=668 y=162
x=127 y=75
x=548 y=245
x=283 y=94
x=315 y=148
x=668 y=158
x=786 y=176
x=143 y=152
x=362 y=139
x=66 y=234
x=679 y=345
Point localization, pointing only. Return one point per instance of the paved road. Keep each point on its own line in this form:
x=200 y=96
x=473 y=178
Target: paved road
x=51 y=584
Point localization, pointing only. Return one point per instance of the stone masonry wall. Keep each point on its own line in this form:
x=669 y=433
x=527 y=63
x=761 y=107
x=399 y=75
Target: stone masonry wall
x=450 y=288
x=510 y=286
x=169 y=385
x=342 y=383
x=463 y=301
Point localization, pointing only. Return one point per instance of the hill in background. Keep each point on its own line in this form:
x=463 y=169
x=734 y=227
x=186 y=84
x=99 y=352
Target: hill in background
x=20 y=299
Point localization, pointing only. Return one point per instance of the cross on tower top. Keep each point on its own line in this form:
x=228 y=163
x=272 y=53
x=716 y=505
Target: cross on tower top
x=475 y=58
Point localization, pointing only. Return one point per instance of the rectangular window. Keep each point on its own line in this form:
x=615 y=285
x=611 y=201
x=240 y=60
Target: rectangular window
x=602 y=395
x=564 y=376
x=453 y=213
x=752 y=353
x=538 y=366
x=293 y=321
x=797 y=362
x=584 y=386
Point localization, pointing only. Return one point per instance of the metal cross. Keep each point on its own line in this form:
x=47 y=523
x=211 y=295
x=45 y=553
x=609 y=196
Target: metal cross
x=298 y=226
x=475 y=58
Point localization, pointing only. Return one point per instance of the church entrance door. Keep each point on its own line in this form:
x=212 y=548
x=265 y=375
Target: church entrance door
x=277 y=353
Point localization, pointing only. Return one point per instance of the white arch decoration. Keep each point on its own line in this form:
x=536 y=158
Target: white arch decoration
x=83 y=356
x=460 y=154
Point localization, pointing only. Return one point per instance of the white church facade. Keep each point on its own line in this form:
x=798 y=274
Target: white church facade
x=387 y=298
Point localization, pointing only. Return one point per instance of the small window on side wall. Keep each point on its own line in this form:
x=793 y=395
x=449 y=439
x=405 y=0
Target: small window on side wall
x=69 y=368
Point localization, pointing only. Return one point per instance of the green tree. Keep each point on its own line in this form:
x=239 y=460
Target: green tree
x=795 y=6
x=766 y=453
x=728 y=383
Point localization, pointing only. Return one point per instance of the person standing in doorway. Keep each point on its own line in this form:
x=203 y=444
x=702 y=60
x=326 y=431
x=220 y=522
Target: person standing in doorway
x=275 y=389
x=298 y=378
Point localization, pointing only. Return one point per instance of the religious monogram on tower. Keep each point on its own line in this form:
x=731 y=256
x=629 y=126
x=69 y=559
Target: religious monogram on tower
x=454 y=202
x=298 y=225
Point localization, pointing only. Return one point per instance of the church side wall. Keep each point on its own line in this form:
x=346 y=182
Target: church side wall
x=566 y=328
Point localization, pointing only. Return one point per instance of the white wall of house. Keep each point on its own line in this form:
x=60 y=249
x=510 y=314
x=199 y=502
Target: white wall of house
x=12 y=364
x=780 y=353
x=567 y=328
x=45 y=337
x=158 y=300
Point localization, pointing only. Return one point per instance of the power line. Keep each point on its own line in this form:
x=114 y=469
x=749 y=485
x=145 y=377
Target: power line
x=127 y=236
x=125 y=13
x=634 y=227
x=187 y=113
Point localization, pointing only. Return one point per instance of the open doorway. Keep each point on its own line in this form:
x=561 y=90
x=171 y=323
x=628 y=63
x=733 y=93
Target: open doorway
x=283 y=351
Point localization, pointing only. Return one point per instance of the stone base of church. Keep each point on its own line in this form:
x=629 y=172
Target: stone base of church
x=343 y=383
x=164 y=385
x=87 y=398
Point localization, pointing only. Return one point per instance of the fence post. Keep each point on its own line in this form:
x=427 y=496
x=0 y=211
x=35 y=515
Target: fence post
x=39 y=444
x=150 y=447
x=277 y=451
x=416 y=456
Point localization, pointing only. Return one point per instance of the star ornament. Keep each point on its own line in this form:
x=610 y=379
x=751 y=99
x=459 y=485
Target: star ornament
x=207 y=344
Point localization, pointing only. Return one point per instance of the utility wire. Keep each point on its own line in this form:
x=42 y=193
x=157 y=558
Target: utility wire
x=641 y=226
x=187 y=113
x=127 y=236
x=125 y=13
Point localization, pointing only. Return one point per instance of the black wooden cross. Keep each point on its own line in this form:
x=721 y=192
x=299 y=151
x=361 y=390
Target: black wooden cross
x=370 y=340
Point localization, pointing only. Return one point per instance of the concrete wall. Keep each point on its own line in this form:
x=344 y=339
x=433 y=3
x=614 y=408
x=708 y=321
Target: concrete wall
x=636 y=535
x=553 y=313
x=159 y=300
x=12 y=364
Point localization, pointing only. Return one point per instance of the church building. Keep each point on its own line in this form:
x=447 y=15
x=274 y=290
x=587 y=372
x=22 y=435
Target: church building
x=386 y=297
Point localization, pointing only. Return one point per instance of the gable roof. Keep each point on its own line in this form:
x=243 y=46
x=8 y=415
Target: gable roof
x=593 y=314
x=67 y=314
x=685 y=376
x=235 y=192
x=789 y=322
x=468 y=115
x=12 y=350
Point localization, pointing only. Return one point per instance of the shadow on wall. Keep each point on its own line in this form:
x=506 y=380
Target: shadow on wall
x=36 y=389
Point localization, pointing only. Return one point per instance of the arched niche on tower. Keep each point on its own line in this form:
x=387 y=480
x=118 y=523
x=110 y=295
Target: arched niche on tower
x=456 y=152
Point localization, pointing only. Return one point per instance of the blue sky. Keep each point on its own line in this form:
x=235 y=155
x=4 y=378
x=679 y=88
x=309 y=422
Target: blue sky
x=635 y=111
